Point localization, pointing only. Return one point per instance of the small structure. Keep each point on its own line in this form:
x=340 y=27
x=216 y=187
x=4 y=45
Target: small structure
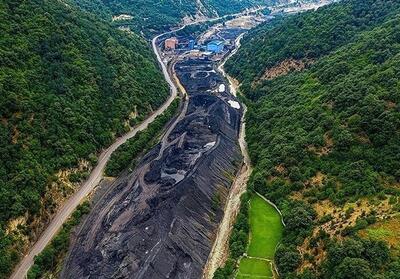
x=191 y=44
x=215 y=46
x=171 y=43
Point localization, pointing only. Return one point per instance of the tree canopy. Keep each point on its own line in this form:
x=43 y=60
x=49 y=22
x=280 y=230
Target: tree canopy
x=70 y=83
x=327 y=134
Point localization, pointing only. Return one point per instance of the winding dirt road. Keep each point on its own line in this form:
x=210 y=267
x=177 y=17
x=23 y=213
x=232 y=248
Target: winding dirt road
x=95 y=177
x=219 y=251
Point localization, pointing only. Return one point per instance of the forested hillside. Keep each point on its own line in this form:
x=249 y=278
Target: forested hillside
x=308 y=36
x=70 y=83
x=151 y=16
x=325 y=138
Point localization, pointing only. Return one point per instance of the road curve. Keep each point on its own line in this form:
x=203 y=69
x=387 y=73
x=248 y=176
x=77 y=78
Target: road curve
x=95 y=176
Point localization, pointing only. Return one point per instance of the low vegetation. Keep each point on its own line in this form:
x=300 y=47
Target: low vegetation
x=253 y=241
x=265 y=235
x=265 y=229
x=127 y=154
x=254 y=268
x=387 y=231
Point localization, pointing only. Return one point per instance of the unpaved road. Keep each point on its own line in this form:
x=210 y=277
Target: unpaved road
x=233 y=86
x=96 y=175
x=220 y=247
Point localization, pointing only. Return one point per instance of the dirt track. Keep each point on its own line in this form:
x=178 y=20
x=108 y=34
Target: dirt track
x=220 y=248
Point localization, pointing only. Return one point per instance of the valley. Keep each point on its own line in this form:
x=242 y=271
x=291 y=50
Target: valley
x=194 y=139
x=97 y=172
x=206 y=95
x=162 y=217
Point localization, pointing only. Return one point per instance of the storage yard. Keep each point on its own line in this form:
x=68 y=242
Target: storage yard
x=215 y=43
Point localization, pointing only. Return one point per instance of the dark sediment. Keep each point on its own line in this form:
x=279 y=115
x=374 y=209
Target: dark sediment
x=160 y=220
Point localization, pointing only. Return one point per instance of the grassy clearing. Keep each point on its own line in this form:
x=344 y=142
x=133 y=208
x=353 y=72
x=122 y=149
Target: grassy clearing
x=265 y=229
x=254 y=268
x=265 y=233
x=388 y=231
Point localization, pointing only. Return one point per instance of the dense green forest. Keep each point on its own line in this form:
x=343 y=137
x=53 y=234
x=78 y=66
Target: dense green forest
x=325 y=141
x=70 y=83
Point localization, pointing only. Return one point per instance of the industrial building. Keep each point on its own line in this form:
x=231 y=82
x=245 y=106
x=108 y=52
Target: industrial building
x=171 y=43
x=191 y=44
x=215 y=46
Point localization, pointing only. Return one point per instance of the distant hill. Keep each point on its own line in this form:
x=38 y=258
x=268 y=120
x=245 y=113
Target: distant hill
x=153 y=16
x=309 y=36
x=323 y=130
x=70 y=83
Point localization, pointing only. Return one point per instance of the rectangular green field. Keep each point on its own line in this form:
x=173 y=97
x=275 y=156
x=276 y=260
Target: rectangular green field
x=254 y=268
x=265 y=229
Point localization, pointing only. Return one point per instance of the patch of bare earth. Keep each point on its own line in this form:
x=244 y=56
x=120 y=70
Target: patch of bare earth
x=390 y=105
x=317 y=180
x=15 y=135
x=245 y=22
x=340 y=218
x=363 y=138
x=285 y=67
x=324 y=150
x=280 y=169
x=387 y=230
x=122 y=17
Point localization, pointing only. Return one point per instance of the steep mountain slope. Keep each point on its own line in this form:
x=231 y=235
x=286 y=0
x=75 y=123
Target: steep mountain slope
x=308 y=36
x=325 y=139
x=70 y=83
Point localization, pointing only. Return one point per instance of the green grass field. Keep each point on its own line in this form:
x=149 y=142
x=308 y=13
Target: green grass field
x=265 y=234
x=254 y=268
x=265 y=229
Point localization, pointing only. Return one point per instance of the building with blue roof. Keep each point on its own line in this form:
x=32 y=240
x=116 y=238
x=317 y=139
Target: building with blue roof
x=215 y=46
